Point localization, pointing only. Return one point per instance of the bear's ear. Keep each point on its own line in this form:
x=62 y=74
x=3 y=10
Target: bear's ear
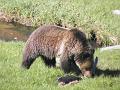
x=93 y=36
x=92 y=39
x=92 y=51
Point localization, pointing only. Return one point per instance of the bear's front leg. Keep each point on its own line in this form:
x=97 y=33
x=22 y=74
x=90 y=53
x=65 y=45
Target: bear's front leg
x=75 y=68
x=65 y=64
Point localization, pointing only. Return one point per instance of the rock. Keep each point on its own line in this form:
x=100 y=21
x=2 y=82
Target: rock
x=1 y=14
x=116 y=12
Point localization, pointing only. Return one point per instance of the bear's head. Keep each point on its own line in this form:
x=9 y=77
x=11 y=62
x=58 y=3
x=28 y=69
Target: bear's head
x=85 y=62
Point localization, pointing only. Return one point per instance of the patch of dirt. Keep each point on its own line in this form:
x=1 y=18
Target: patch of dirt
x=4 y=17
x=14 y=19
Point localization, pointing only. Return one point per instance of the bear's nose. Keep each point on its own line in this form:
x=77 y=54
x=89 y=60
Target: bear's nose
x=88 y=74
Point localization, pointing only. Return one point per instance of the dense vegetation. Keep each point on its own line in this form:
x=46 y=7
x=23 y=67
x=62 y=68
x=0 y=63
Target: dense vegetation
x=86 y=14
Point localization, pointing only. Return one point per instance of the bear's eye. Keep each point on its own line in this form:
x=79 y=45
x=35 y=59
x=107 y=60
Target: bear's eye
x=87 y=69
x=85 y=55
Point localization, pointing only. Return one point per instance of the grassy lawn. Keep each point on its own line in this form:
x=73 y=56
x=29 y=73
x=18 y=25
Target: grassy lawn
x=39 y=77
x=88 y=14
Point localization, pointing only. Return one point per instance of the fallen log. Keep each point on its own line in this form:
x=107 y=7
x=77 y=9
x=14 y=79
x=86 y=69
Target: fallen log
x=110 y=48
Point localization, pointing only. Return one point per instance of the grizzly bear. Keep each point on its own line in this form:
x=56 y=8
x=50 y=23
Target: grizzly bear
x=58 y=46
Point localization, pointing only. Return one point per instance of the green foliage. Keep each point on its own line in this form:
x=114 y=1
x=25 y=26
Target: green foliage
x=89 y=14
x=40 y=77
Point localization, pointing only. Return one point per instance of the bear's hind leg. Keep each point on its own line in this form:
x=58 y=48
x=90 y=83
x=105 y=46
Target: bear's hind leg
x=29 y=57
x=27 y=63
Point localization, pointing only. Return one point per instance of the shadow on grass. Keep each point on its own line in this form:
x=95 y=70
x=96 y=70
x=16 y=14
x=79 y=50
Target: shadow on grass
x=107 y=72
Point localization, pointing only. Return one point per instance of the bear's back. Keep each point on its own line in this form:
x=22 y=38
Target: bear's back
x=51 y=31
x=57 y=31
x=52 y=37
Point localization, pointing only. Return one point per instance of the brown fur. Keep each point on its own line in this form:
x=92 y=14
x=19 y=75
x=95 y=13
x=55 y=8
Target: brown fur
x=54 y=42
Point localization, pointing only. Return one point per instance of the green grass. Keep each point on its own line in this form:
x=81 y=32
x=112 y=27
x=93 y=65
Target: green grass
x=88 y=14
x=39 y=77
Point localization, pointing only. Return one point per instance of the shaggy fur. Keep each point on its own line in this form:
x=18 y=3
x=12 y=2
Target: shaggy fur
x=68 y=47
